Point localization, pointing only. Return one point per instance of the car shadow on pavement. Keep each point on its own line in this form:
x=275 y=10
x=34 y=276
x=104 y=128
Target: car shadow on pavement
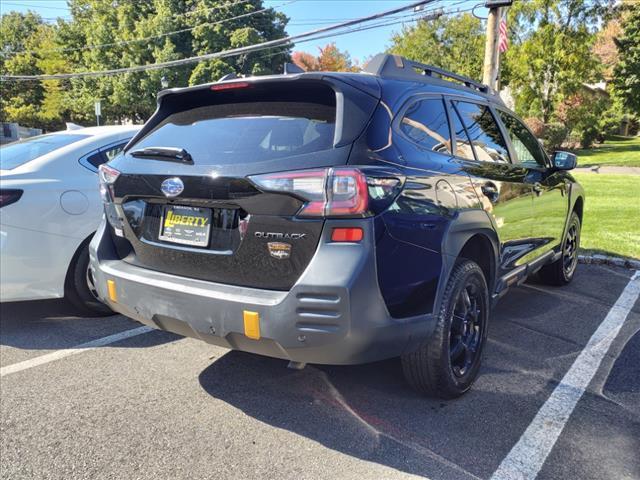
x=368 y=412
x=54 y=324
x=362 y=411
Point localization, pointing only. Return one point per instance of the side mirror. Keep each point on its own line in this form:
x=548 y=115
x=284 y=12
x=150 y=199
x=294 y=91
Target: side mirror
x=564 y=160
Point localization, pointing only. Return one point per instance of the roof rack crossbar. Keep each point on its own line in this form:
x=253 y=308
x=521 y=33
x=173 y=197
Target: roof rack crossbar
x=396 y=66
x=468 y=82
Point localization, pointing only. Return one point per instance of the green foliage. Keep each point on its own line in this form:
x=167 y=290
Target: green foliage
x=610 y=120
x=553 y=56
x=18 y=101
x=452 y=42
x=135 y=33
x=555 y=133
x=627 y=72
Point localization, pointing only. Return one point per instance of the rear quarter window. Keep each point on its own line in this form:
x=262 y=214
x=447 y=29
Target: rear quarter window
x=425 y=122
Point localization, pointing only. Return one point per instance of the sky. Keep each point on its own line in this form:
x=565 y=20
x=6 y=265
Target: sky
x=304 y=15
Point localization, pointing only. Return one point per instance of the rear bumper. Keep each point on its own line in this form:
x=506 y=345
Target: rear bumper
x=334 y=314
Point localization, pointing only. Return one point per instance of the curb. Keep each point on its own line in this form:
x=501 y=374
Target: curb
x=599 y=259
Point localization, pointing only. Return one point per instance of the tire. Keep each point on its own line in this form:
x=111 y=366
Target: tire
x=439 y=368
x=561 y=271
x=79 y=289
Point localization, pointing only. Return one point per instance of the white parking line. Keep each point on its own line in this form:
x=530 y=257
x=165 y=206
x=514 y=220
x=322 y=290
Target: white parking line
x=527 y=457
x=83 y=347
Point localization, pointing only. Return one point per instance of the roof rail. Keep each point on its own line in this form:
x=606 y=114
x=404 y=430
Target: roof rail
x=395 y=66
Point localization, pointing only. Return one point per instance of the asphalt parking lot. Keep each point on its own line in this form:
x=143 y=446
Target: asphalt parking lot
x=155 y=405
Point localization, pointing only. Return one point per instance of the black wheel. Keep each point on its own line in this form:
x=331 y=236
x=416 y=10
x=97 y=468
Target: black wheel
x=80 y=287
x=562 y=270
x=448 y=363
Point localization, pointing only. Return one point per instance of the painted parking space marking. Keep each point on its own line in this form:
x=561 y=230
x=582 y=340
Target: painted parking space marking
x=527 y=457
x=83 y=347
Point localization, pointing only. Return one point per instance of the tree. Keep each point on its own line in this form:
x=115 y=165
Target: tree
x=305 y=61
x=18 y=102
x=108 y=34
x=454 y=43
x=330 y=59
x=626 y=74
x=552 y=56
x=605 y=46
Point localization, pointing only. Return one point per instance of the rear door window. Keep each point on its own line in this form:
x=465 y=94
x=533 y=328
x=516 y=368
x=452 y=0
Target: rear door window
x=425 y=122
x=483 y=131
x=251 y=130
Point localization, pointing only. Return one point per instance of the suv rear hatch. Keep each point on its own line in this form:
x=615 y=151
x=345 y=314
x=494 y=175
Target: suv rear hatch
x=183 y=198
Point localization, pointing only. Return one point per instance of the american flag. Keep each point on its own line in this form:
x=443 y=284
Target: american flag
x=504 y=39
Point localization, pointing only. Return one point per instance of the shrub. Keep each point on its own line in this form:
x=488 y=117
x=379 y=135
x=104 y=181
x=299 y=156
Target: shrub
x=588 y=136
x=555 y=133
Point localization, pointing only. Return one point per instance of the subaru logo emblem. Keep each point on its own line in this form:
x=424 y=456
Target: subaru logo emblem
x=172 y=187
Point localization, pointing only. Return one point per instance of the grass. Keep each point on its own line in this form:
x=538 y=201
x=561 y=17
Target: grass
x=619 y=151
x=611 y=222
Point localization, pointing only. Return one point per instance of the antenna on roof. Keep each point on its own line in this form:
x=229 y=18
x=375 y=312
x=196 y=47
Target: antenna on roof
x=228 y=76
x=290 y=68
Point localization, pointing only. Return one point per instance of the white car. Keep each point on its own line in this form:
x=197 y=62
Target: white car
x=50 y=208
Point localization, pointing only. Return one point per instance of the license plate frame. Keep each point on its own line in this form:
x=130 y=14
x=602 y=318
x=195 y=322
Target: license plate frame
x=185 y=225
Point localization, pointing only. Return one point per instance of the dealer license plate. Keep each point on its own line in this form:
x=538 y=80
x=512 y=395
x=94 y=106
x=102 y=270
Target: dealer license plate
x=185 y=225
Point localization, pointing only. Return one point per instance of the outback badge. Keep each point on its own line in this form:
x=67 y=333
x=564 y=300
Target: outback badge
x=279 y=250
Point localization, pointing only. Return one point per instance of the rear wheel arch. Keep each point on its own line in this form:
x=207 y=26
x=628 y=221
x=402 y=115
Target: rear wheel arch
x=478 y=243
x=476 y=240
x=481 y=249
x=578 y=207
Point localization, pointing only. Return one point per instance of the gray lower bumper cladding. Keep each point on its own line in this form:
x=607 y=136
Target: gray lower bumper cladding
x=334 y=314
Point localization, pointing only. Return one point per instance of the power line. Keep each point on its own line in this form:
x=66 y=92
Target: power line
x=177 y=15
x=153 y=37
x=224 y=53
x=49 y=7
x=417 y=16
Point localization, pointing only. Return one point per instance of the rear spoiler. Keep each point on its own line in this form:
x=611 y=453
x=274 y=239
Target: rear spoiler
x=356 y=99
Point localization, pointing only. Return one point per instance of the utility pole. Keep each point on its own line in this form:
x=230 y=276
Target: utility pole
x=491 y=70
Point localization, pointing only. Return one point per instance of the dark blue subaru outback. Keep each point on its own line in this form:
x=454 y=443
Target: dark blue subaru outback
x=336 y=218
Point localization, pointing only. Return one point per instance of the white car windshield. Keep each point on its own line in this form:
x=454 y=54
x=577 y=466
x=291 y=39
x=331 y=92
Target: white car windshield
x=15 y=154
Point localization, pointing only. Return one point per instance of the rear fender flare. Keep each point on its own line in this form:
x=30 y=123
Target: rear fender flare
x=461 y=229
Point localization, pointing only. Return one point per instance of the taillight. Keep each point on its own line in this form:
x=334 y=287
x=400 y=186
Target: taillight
x=328 y=192
x=108 y=176
x=9 y=196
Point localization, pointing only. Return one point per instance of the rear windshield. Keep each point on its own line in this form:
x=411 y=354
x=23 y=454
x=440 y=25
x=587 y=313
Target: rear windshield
x=250 y=129
x=15 y=154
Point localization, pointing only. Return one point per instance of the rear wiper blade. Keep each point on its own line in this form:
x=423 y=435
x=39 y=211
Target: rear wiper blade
x=169 y=154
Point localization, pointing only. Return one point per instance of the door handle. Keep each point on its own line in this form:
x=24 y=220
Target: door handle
x=490 y=191
x=537 y=187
